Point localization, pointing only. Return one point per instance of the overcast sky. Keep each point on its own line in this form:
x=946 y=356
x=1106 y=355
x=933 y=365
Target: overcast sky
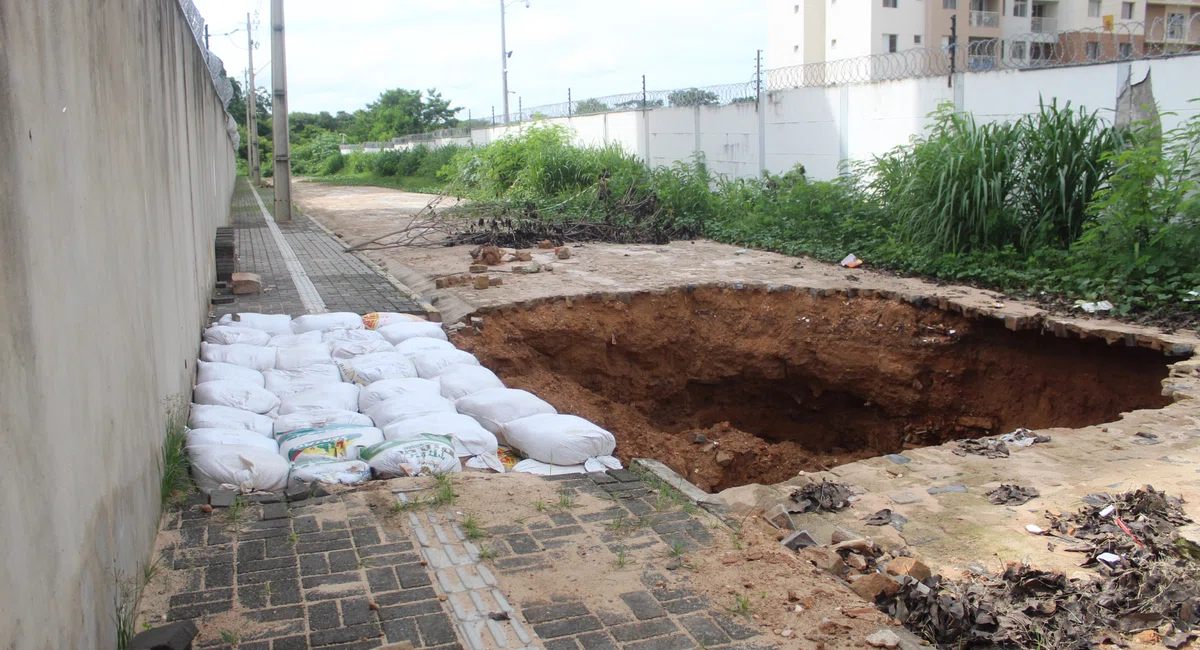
x=341 y=55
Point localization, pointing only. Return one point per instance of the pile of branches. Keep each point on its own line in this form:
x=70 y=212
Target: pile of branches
x=1154 y=590
x=593 y=215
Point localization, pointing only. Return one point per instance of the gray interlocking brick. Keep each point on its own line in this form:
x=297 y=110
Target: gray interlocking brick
x=643 y=605
x=566 y=627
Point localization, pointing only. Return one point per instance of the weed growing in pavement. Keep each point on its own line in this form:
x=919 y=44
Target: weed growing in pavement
x=486 y=552
x=150 y=570
x=741 y=605
x=622 y=558
x=736 y=538
x=292 y=538
x=677 y=549
x=539 y=505
x=565 y=501
x=230 y=637
x=175 y=479
x=363 y=562
x=267 y=589
x=445 y=495
x=618 y=524
x=520 y=521
x=125 y=607
x=471 y=527
x=235 y=514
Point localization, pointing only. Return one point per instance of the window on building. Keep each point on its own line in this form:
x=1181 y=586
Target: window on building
x=1093 y=8
x=917 y=39
x=1093 y=51
x=949 y=4
x=889 y=42
x=796 y=9
x=1127 y=11
x=1175 y=26
x=1020 y=8
x=1125 y=50
x=889 y=4
x=1041 y=51
x=1017 y=51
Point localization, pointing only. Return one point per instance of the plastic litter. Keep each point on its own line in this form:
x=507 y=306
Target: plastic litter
x=459 y=380
x=416 y=456
x=1093 y=307
x=299 y=356
x=325 y=322
x=236 y=394
x=286 y=382
x=378 y=319
x=327 y=396
x=850 y=261
x=406 y=407
x=239 y=354
x=202 y=437
x=431 y=364
x=228 y=335
x=204 y=416
x=270 y=323
x=237 y=467
x=370 y=368
x=317 y=419
x=1111 y=559
x=338 y=441
x=558 y=439
x=326 y=470
x=397 y=332
x=293 y=340
x=419 y=344
x=385 y=389
x=207 y=371
x=495 y=407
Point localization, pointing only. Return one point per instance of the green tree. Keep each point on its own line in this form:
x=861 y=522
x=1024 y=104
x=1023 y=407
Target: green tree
x=399 y=112
x=693 y=97
x=590 y=106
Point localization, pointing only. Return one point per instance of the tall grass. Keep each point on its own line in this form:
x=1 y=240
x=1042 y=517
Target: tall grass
x=173 y=462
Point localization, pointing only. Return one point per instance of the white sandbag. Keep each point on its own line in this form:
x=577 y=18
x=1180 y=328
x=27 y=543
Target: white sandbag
x=202 y=437
x=496 y=407
x=421 y=455
x=469 y=438
x=378 y=319
x=558 y=439
x=461 y=379
x=326 y=470
x=348 y=349
x=270 y=323
x=228 y=335
x=299 y=356
x=317 y=419
x=384 y=389
x=286 y=382
x=398 y=332
x=371 y=368
x=419 y=344
x=216 y=371
x=239 y=354
x=324 y=322
x=236 y=467
x=205 y=416
x=598 y=464
x=406 y=407
x=431 y=364
x=293 y=340
x=341 y=396
x=350 y=335
x=237 y=394
x=339 y=441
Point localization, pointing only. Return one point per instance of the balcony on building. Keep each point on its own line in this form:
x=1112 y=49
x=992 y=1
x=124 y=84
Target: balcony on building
x=985 y=13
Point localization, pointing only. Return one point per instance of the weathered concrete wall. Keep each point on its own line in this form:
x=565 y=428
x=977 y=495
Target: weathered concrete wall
x=115 y=170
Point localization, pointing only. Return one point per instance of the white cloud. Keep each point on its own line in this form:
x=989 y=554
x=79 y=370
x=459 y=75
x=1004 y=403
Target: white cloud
x=341 y=55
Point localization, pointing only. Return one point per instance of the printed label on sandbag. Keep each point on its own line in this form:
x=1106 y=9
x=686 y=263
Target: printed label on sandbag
x=371 y=368
x=423 y=454
x=340 y=441
x=376 y=320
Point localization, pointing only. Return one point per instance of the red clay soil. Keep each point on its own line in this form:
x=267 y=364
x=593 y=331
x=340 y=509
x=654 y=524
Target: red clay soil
x=785 y=382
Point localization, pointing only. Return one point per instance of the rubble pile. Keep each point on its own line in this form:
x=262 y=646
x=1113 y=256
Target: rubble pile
x=821 y=497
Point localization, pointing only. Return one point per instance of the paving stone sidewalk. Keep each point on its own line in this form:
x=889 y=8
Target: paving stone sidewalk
x=352 y=571
x=344 y=282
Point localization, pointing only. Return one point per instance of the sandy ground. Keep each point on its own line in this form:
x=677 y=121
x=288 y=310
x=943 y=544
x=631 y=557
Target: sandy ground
x=947 y=530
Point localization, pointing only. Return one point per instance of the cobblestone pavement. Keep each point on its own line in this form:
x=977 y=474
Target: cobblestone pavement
x=353 y=570
x=342 y=281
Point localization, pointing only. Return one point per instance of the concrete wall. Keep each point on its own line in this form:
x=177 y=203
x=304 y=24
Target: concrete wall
x=115 y=170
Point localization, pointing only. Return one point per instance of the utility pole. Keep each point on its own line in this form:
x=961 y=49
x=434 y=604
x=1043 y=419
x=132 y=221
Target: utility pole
x=252 y=114
x=279 y=121
x=762 y=114
x=569 y=102
x=953 y=47
x=206 y=36
x=503 y=63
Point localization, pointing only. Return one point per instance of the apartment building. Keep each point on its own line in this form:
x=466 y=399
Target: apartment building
x=989 y=32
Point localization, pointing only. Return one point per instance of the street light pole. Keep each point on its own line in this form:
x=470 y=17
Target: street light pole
x=503 y=63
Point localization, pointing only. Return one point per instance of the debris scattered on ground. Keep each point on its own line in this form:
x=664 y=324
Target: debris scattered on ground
x=1148 y=591
x=1012 y=495
x=1093 y=307
x=997 y=447
x=851 y=261
x=886 y=517
x=488 y=255
x=821 y=497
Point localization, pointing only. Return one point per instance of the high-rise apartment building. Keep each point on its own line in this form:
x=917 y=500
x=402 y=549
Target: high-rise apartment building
x=1020 y=32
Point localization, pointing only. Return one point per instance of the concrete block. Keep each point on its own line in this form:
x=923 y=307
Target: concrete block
x=222 y=498
x=481 y=282
x=246 y=283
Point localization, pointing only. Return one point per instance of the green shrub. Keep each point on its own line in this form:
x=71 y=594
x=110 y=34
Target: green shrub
x=333 y=164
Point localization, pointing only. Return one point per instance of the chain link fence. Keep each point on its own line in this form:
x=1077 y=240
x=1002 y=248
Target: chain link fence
x=216 y=68
x=1042 y=48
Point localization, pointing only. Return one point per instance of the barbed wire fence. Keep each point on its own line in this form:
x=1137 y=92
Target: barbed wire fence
x=216 y=68
x=1046 y=48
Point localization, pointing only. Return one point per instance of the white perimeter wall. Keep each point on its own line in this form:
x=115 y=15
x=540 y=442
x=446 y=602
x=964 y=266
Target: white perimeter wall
x=819 y=127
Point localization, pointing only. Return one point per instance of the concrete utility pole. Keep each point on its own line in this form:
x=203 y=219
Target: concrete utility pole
x=279 y=112
x=252 y=113
x=503 y=63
